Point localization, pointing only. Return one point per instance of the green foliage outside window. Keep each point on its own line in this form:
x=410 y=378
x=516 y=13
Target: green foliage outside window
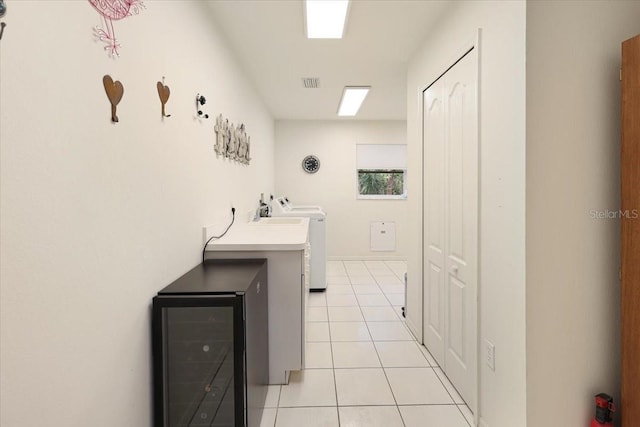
x=381 y=182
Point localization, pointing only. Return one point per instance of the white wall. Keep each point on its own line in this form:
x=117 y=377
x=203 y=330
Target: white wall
x=502 y=399
x=334 y=186
x=97 y=217
x=573 y=167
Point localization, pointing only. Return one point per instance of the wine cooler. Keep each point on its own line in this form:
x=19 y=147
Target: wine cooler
x=210 y=346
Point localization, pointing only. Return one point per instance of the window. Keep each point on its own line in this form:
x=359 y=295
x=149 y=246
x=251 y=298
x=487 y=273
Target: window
x=381 y=171
x=380 y=182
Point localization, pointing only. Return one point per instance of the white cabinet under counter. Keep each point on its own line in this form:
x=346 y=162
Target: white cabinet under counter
x=284 y=243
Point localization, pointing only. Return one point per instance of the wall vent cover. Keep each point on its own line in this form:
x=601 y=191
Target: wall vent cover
x=311 y=82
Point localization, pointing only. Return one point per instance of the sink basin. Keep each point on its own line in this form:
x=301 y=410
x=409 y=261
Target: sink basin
x=280 y=221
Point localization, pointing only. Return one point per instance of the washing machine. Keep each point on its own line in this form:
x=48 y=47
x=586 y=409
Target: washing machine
x=284 y=202
x=317 y=240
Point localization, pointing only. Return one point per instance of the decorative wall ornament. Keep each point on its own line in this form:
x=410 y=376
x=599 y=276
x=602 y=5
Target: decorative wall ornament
x=113 y=10
x=163 y=93
x=200 y=101
x=232 y=142
x=114 y=91
x=221 y=129
x=3 y=11
x=243 y=146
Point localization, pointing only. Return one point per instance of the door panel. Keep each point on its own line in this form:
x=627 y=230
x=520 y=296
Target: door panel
x=436 y=324
x=434 y=224
x=455 y=172
x=456 y=311
x=461 y=260
x=435 y=172
x=451 y=223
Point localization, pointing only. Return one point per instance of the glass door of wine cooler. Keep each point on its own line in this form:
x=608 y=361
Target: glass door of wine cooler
x=200 y=370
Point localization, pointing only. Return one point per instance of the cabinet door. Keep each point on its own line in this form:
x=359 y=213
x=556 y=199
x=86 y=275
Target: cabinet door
x=198 y=361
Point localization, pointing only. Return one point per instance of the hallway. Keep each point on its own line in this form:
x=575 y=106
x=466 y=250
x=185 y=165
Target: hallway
x=364 y=368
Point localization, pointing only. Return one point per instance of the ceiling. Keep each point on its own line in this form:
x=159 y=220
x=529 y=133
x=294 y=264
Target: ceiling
x=267 y=36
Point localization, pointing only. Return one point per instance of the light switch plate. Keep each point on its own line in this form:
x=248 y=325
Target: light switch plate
x=490 y=354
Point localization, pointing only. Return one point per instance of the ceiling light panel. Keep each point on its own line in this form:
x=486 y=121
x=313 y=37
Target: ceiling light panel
x=326 y=18
x=352 y=98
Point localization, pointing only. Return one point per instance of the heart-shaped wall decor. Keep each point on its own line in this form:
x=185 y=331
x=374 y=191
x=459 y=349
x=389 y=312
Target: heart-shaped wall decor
x=163 y=93
x=114 y=91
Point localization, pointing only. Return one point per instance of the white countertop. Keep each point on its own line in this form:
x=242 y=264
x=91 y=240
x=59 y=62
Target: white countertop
x=268 y=234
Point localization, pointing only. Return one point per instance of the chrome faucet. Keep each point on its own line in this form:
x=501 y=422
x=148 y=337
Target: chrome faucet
x=262 y=211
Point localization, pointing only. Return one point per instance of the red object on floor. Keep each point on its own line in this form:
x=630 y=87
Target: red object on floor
x=604 y=411
x=594 y=423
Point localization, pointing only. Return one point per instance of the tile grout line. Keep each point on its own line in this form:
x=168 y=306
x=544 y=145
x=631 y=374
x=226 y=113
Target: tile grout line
x=447 y=390
x=465 y=418
x=374 y=342
x=275 y=420
x=368 y=405
x=384 y=372
x=439 y=379
x=333 y=363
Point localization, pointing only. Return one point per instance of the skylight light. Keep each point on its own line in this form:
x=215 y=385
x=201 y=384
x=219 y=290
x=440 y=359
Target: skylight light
x=326 y=18
x=352 y=98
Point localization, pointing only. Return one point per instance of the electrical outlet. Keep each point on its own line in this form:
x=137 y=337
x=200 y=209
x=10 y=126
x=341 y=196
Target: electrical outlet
x=205 y=234
x=490 y=354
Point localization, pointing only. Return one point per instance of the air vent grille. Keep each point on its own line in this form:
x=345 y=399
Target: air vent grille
x=311 y=82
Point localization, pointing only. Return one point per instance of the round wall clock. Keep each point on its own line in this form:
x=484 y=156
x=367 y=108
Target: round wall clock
x=311 y=164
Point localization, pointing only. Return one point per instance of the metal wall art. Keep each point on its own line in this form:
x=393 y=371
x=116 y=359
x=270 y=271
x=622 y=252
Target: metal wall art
x=200 y=101
x=231 y=142
x=163 y=93
x=114 y=91
x=113 y=10
x=3 y=11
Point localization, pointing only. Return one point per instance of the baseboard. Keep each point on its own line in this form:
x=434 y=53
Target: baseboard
x=413 y=329
x=367 y=258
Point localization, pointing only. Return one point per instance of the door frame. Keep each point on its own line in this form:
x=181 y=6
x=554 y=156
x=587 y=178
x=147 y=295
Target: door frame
x=471 y=44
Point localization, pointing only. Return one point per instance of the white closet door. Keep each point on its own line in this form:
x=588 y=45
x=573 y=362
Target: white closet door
x=451 y=225
x=462 y=230
x=434 y=221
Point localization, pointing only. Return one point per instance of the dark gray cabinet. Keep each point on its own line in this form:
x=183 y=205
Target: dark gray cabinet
x=210 y=346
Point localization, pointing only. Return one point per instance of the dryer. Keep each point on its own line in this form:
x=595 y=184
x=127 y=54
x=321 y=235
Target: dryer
x=317 y=237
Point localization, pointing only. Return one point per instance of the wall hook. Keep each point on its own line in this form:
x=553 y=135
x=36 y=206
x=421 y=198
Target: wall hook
x=163 y=93
x=114 y=91
x=200 y=100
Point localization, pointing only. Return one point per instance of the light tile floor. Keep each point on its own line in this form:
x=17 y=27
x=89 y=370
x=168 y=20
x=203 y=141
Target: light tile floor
x=363 y=367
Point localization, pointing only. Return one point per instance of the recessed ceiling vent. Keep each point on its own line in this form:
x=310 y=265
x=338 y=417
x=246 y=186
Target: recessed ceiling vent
x=311 y=82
